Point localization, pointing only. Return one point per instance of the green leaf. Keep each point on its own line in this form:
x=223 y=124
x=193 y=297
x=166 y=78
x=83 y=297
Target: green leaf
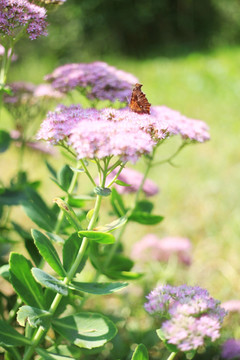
x=97 y=288
x=51 y=169
x=87 y=330
x=38 y=211
x=70 y=251
x=123 y=275
x=78 y=201
x=117 y=203
x=102 y=191
x=121 y=183
x=72 y=351
x=145 y=218
x=29 y=243
x=48 y=252
x=170 y=347
x=45 y=355
x=10 y=337
x=23 y=281
x=69 y=213
x=100 y=237
x=4 y=272
x=49 y=281
x=113 y=225
x=144 y=206
x=5 y=141
x=65 y=177
x=140 y=353
x=36 y=317
x=12 y=197
x=55 y=238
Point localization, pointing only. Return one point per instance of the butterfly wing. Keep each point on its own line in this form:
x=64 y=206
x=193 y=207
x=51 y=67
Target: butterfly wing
x=139 y=102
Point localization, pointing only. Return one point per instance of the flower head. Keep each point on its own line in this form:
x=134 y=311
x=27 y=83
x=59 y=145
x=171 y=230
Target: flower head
x=192 y=315
x=177 y=123
x=16 y=15
x=231 y=349
x=231 y=305
x=134 y=179
x=98 y=80
x=150 y=247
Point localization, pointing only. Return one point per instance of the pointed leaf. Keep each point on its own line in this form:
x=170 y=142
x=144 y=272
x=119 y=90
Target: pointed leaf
x=101 y=237
x=70 y=251
x=87 y=330
x=65 y=177
x=48 y=252
x=5 y=141
x=51 y=169
x=66 y=350
x=140 y=353
x=37 y=210
x=29 y=243
x=97 y=288
x=113 y=225
x=69 y=213
x=4 y=272
x=144 y=206
x=35 y=317
x=145 y=218
x=50 y=356
x=117 y=203
x=55 y=238
x=121 y=183
x=49 y=281
x=10 y=337
x=23 y=281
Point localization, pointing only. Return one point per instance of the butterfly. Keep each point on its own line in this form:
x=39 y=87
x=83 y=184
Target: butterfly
x=139 y=103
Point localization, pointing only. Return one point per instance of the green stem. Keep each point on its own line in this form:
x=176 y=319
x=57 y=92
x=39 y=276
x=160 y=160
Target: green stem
x=14 y=310
x=88 y=173
x=61 y=213
x=169 y=159
x=13 y=351
x=172 y=356
x=41 y=332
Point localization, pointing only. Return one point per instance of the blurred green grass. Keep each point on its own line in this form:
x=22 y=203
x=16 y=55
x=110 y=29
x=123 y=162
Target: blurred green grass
x=200 y=196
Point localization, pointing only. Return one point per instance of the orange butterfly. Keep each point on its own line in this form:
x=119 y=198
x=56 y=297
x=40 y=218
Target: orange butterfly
x=139 y=103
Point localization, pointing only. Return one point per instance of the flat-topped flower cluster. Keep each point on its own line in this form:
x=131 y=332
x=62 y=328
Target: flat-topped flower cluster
x=17 y=15
x=110 y=132
x=98 y=80
x=192 y=315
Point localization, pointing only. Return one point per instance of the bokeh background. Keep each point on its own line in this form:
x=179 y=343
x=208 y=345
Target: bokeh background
x=186 y=53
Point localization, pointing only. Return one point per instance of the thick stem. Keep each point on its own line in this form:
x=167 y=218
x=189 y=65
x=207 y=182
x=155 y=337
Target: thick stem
x=172 y=356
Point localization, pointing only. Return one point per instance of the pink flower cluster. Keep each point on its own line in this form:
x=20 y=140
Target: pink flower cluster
x=192 y=129
x=28 y=93
x=150 y=248
x=231 y=349
x=98 y=80
x=18 y=14
x=99 y=133
x=134 y=179
x=193 y=316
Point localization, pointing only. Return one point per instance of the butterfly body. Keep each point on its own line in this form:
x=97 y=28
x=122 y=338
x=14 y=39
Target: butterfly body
x=139 y=102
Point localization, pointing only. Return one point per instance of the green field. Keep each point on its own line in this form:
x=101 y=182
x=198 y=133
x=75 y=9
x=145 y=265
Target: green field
x=200 y=196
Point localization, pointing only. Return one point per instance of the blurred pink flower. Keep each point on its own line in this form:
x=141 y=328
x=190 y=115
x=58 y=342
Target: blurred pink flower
x=231 y=305
x=133 y=178
x=2 y=50
x=150 y=247
x=231 y=349
x=98 y=79
x=38 y=146
x=47 y=91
